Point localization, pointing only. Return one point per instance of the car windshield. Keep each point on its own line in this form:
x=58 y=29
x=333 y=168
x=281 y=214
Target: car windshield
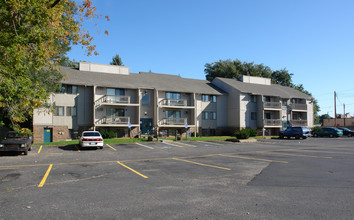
x=90 y=134
x=346 y=129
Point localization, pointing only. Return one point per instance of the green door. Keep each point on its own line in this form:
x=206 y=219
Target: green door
x=47 y=135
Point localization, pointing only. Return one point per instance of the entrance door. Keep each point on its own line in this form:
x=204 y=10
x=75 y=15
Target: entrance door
x=146 y=125
x=47 y=135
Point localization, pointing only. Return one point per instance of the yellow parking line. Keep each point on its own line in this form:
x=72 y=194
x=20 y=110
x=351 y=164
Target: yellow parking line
x=132 y=170
x=40 y=149
x=252 y=158
x=143 y=145
x=111 y=147
x=45 y=176
x=201 y=164
x=77 y=148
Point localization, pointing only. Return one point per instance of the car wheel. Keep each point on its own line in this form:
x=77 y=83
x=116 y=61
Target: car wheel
x=349 y=134
x=25 y=152
x=304 y=137
x=315 y=135
x=297 y=136
x=331 y=135
x=30 y=148
x=281 y=136
x=101 y=147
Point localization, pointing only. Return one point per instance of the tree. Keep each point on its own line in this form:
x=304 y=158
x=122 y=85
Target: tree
x=34 y=36
x=116 y=60
x=236 y=69
x=324 y=116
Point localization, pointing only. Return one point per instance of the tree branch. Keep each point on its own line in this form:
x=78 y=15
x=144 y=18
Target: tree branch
x=55 y=3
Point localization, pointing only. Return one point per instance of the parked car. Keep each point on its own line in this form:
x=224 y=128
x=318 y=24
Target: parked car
x=91 y=139
x=328 y=132
x=297 y=132
x=15 y=141
x=347 y=131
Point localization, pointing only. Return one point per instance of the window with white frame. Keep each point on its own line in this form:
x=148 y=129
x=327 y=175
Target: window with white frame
x=213 y=98
x=173 y=95
x=212 y=115
x=71 y=111
x=59 y=111
x=111 y=91
x=205 y=115
x=205 y=98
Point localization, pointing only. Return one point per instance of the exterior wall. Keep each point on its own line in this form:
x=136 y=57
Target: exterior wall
x=85 y=106
x=340 y=122
x=147 y=111
x=103 y=68
x=310 y=114
x=60 y=133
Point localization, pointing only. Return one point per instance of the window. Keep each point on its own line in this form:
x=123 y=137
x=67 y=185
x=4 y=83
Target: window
x=115 y=92
x=173 y=95
x=253 y=116
x=253 y=98
x=213 y=98
x=205 y=115
x=69 y=89
x=205 y=98
x=145 y=100
x=212 y=132
x=71 y=111
x=59 y=111
x=212 y=115
x=266 y=98
x=172 y=114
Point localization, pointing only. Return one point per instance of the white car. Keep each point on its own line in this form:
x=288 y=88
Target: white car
x=91 y=139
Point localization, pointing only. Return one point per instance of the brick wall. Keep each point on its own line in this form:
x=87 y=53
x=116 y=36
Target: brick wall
x=59 y=133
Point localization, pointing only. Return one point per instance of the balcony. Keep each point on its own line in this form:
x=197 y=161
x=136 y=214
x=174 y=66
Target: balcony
x=173 y=102
x=273 y=105
x=272 y=122
x=302 y=107
x=173 y=121
x=115 y=100
x=113 y=121
x=295 y=123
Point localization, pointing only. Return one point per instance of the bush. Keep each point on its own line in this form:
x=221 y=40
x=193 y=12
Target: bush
x=197 y=134
x=243 y=134
x=252 y=132
x=316 y=128
x=107 y=133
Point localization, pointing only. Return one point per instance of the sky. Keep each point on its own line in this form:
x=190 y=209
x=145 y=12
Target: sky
x=312 y=39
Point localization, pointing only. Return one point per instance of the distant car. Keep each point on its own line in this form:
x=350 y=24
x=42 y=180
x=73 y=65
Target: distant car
x=347 y=131
x=15 y=141
x=297 y=132
x=91 y=139
x=328 y=132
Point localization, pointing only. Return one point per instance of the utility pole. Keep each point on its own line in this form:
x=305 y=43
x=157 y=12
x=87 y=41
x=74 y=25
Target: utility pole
x=335 y=110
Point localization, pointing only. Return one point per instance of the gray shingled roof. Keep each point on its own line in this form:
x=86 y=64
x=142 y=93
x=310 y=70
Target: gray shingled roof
x=161 y=82
x=267 y=90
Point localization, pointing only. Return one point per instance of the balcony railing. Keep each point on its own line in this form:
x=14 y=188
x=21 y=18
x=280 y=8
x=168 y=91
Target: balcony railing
x=174 y=102
x=276 y=105
x=173 y=121
x=298 y=106
x=298 y=122
x=117 y=99
x=114 y=120
x=272 y=122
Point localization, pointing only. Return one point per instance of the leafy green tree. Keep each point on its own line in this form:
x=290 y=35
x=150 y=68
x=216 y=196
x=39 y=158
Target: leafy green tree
x=116 y=60
x=34 y=36
x=324 y=116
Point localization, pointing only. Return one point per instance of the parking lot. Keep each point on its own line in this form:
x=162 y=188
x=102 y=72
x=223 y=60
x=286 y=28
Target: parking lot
x=270 y=179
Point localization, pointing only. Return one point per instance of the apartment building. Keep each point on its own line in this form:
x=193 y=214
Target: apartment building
x=108 y=97
x=256 y=103
x=98 y=97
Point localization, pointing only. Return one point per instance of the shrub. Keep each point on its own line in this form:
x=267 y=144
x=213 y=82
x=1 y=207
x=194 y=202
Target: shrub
x=252 y=132
x=243 y=134
x=316 y=128
x=107 y=133
x=196 y=135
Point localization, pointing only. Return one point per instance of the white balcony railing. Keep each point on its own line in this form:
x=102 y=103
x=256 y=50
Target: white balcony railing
x=276 y=105
x=114 y=99
x=114 y=120
x=174 y=102
x=298 y=106
x=173 y=121
x=272 y=122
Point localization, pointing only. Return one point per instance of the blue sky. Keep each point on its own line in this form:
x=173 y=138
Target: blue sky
x=312 y=39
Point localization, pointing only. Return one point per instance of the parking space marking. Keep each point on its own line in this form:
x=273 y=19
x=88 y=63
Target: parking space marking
x=111 y=147
x=143 y=145
x=287 y=154
x=41 y=184
x=132 y=170
x=320 y=151
x=188 y=145
x=252 y=158
x=77 y=148
x=201 y=164
x=212 y=143
x=172 y=144
x=40 y=148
